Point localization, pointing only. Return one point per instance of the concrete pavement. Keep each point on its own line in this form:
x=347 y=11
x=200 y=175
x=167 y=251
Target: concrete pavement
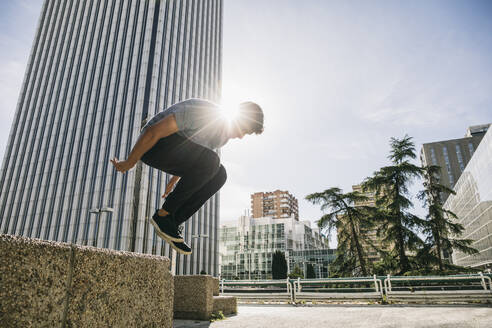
x=352 y=316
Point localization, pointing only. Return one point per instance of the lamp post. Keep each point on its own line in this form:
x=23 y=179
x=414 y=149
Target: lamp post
x=98 y=211
x=193 y=237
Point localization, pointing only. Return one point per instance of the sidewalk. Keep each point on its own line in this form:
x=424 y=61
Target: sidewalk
x=351 y=316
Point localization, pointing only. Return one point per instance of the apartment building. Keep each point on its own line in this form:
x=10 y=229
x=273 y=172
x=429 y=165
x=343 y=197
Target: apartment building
x=277 y=204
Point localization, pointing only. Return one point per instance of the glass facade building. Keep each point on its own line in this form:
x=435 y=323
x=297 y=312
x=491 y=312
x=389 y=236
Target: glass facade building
x=473 y=205
x=247 y=247
x=97 y=71
x=320 y=259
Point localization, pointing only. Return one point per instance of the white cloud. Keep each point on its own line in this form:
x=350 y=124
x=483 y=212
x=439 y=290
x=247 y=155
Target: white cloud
x=409 y=116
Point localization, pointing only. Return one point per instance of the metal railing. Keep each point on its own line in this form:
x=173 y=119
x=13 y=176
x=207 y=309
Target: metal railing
x=465 y=288
x=365 y=288
x=445 y=288
x=257 y=289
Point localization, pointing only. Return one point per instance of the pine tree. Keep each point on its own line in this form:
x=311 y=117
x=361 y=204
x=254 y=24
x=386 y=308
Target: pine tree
x=279 y=266
x=391 y=186
x=348 y=220
x=439 y=227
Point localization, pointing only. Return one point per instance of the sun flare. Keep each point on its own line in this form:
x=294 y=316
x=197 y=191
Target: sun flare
x=230 y=107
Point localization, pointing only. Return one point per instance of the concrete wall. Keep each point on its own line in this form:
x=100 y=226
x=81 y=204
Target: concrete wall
x=51 y=284
x=193 y=297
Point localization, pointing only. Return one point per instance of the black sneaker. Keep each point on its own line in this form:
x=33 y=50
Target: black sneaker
x=180 y=247
x=179 y=230
x=166 y=228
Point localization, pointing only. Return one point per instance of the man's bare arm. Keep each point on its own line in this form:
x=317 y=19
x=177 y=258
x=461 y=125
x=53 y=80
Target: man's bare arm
x=147 y=140
x=170 y=185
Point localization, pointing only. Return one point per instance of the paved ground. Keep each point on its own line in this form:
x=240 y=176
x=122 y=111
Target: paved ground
x=351 y=316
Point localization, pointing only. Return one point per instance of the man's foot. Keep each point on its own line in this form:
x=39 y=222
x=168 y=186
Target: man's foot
x=180 y=247
x=166 y=228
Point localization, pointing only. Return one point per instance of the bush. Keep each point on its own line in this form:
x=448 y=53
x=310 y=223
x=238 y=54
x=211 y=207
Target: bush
x=296 y=273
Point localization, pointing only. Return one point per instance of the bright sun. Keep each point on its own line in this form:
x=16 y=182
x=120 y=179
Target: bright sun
x=230 y=107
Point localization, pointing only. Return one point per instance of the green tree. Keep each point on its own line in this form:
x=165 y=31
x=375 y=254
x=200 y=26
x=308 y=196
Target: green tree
x=439 y=226
x=279 y=266
x=296 y=273
x=348 y=220
x=398 y=226
x=310 y=274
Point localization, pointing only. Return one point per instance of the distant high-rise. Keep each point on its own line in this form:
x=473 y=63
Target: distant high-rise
x=97 y=71
x=278 y=204
x=452 y=155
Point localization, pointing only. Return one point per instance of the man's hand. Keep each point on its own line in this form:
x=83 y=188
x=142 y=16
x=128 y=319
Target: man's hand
x=122 y=166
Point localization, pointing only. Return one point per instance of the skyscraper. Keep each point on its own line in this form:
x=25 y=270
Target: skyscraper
x=97 y=71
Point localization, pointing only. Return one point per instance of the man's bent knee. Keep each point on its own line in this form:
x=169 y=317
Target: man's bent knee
x=222 y=175
x=211 y=161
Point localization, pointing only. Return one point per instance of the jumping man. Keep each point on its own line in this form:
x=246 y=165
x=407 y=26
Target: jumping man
x=181 y=141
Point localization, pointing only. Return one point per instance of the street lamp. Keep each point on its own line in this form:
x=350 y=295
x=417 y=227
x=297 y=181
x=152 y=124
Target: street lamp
x=98 y=211
x=193 y=237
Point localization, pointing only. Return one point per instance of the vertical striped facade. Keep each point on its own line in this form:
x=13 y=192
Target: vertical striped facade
x=98 y=69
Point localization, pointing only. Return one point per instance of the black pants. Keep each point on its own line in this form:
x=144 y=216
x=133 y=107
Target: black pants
x=200 y=170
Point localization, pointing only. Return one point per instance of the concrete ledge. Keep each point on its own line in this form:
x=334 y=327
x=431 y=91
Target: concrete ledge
x=226 y=304
x=216 y=286
x=193 y=297
x=33 y=282
x=120 y=289
x=57 y=284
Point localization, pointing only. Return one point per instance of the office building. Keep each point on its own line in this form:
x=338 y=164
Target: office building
x=472 y=204
x=247 y=247
x=452 y=155
x=277 y=204
x=97 y=71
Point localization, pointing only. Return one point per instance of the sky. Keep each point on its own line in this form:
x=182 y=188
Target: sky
x=336 y=80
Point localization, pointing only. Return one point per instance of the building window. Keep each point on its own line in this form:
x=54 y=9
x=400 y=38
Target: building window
x=470 y=148
x=460 y=158
x=448 y=165
x=433 y=157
